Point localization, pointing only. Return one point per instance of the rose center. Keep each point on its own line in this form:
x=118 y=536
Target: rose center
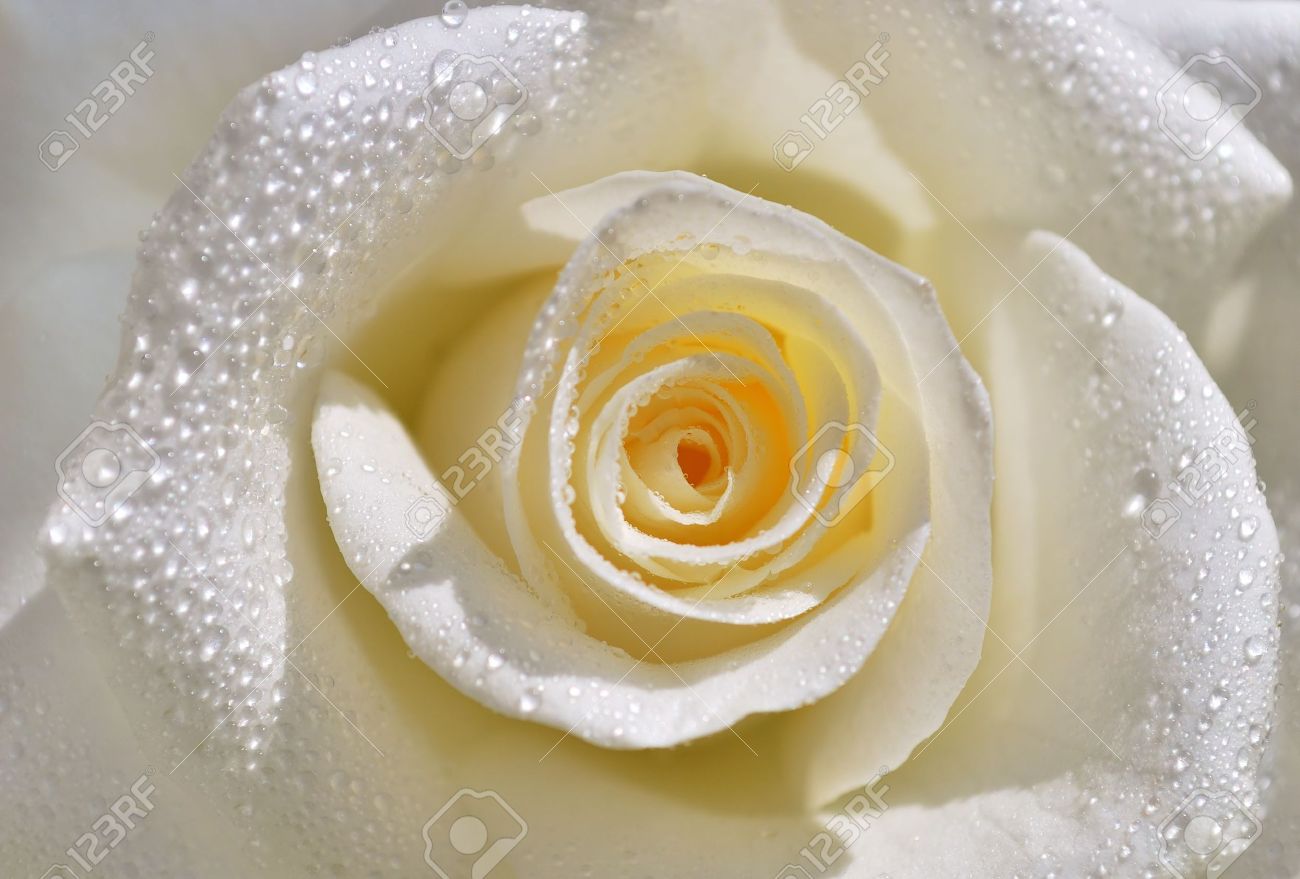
x=698 y=457
x=680 y=448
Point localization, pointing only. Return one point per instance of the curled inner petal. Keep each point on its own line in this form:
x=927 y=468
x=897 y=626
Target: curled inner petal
x=720 y=489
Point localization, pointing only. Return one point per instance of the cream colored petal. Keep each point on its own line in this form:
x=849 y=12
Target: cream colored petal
x=1246 y=340
x=322 y=175
x=482 y=629
x=1029 y=113
x=1149 y=662
x=905 y=695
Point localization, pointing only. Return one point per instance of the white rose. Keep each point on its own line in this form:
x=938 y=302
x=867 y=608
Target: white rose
x=667 y=529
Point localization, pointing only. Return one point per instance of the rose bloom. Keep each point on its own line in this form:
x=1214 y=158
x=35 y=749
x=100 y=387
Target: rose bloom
x=651 y=439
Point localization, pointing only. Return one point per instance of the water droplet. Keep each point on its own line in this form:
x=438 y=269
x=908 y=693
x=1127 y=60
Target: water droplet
x=1112 y=311
x=1256 y=647
x=468 y=101
x=454 y=13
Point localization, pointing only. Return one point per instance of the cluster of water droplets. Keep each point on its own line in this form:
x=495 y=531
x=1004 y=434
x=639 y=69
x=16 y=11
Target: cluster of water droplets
x=283 y=225
x=1204 y=573
x=1064 y=95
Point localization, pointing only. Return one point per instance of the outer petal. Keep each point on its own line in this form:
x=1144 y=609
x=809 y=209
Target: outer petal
x=1122 y=672
x=1028 y=113
x=1189 y=529
x=57 y=52
x=1248 y=342
x=66 y=238
x=1146 y=665
x=70 y=757
x=186 y=590
x=66 y=242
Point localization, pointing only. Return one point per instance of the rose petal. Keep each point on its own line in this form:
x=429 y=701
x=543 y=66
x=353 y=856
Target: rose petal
x=904 y=692
x=67 y=741
x=186 y=590
x=1247 y=343
x=481 y=628
x=1146 y=679
x=982 y=101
